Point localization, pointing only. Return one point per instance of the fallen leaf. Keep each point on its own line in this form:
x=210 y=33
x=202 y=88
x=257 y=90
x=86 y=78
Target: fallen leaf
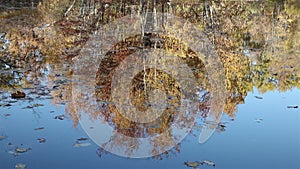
x=40 y=128
x=21 y=150
x=292 y=107
x=207 y=162
x=20 y=166
x=5 y=105
x=60 y=117
x=41 y=140
x=18 y=95
x=194 y=164
x=37 y=105
x=258 y=120
x=258 y=97
x=82 y=139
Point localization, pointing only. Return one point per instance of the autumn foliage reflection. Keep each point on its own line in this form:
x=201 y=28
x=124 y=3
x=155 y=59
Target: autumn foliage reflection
x=258 y=43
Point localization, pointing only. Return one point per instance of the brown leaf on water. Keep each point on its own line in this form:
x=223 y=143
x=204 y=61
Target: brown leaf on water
x=18 y=95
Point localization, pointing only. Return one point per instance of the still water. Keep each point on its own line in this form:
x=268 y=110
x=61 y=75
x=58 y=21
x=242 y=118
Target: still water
x=149 y=84
x=272 y=142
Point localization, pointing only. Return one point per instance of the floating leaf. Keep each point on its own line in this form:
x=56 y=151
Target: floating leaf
x=82 y=139
x=41 y=140
x=20 y=166
x=192 y=164
x=40 y=128
x=37 y=105
x=207 y=162
x=21 y=150
x=28 y=107
x=18 y=95
x=60 y=117
x=292 y=107
x=258 y=120
x=5 y=105
x=258 y=97
x=33 y=106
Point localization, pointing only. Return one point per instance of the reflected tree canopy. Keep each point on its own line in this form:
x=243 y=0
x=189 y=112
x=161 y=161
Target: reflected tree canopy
x=258 y=44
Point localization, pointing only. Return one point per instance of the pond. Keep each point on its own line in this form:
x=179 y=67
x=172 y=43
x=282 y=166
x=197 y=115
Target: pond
x=149 y=84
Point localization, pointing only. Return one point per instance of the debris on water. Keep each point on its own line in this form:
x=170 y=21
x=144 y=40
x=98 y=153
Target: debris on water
x=292 y=107
x=20 y=166
x=21 y=150
x=194 y=164
x=33 y=106
x=258 y=97
x=5 y=105
x=221 y=127
x=40 y=128
x=81 y=144
x=60 y=117
x=82 y=139
x=258 y=120
x=207 y=162
x=37 y=105
x=18 y=95
x=41 y=140
x=52 y=111
x=28 y=107
x=7 y=115
x=2 y=137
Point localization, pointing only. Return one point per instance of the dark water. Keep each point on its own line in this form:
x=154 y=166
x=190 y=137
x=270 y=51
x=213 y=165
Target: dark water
x=133 y=99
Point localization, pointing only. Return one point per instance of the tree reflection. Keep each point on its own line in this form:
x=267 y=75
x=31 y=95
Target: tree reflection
x=258 y=43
